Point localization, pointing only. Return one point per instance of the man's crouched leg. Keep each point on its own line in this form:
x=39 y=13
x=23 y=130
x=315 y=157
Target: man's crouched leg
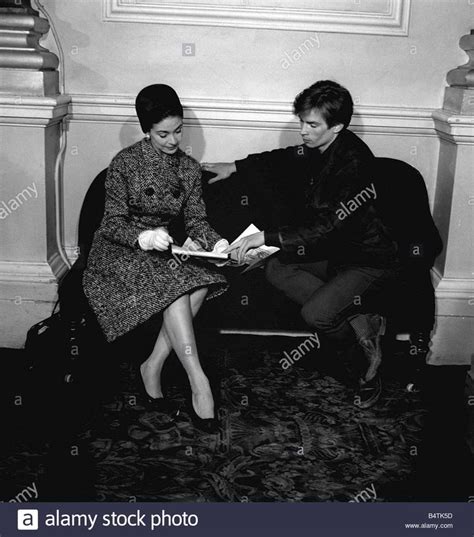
x=341 y=332
x=328 y=307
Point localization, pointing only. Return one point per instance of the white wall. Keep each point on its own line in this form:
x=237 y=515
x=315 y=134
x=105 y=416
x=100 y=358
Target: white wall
x=121 y=58
x=238 y=90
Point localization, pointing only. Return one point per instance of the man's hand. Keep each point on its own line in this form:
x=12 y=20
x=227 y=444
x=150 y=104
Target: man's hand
x=222 y=169
x=244 y=245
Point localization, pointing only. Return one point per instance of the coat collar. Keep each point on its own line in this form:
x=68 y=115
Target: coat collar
x=157 y=157
x=347 y=146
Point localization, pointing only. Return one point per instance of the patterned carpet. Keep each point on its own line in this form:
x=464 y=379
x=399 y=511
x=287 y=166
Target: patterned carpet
x=285 y=435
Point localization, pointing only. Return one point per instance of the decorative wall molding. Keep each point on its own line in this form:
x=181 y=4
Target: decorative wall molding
x=32 y=111
x=454 y=296
x=259 y=115
x=454 y=128
x=30 y=272
x=72 y=253
x=27 y=67
x=380 y=17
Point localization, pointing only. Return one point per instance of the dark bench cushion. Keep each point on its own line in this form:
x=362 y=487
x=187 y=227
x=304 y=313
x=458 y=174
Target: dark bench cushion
x=251 y=302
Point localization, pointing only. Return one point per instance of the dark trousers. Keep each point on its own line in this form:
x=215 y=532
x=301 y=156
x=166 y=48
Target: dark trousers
x=334 y=301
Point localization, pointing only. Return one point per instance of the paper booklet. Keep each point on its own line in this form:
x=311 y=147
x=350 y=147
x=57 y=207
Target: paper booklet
x=185 y=251
x=253 y=259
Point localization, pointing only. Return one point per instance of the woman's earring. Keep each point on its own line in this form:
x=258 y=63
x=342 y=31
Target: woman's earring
x=147 y=136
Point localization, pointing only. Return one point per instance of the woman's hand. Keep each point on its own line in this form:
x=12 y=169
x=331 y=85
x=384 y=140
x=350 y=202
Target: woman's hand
x=161 y=239
x=155 y=239
x=222 y=169
x=244 y=245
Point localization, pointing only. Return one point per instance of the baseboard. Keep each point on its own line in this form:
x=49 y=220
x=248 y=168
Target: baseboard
x=33 y=272
x=28 y=292
x=454 y=296
x=452 y=342
x=25 y=306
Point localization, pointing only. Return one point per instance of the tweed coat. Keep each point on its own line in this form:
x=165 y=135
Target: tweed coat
x=146 y=189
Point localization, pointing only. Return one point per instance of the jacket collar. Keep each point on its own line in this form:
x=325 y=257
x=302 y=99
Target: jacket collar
x=154 y=156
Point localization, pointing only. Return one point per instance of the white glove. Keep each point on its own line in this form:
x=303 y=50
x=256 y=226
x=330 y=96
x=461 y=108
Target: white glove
x=155 y=239
x=219 y=248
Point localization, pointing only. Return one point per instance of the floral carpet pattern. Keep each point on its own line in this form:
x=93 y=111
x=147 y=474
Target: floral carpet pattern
x=285 y=435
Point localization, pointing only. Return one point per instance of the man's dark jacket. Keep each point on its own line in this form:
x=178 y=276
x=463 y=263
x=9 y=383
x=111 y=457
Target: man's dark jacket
x=318 y=188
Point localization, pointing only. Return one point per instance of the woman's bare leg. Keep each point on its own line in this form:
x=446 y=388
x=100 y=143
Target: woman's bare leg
x=151 y=368
x=178 y=320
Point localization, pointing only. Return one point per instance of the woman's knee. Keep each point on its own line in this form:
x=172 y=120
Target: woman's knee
x=200 y=292
x=181 y=303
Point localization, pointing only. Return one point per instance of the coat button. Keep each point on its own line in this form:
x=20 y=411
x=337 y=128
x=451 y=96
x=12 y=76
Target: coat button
x=149 y=191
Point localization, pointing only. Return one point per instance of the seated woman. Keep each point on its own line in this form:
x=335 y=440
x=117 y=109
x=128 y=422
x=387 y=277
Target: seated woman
x=131 y=274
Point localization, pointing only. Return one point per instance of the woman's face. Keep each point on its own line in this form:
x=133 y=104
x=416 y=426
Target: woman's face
x=166 y=135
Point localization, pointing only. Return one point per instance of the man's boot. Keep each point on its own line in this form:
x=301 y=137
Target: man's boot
x=370 y=386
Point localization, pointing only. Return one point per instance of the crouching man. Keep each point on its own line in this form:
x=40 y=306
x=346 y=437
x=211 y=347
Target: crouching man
x=336 y=255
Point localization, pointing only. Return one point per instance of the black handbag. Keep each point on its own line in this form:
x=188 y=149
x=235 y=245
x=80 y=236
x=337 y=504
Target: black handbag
x=54 y=347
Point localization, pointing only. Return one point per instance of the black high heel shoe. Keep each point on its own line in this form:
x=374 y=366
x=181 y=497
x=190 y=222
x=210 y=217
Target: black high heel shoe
x=206 y=425
x=158 y=404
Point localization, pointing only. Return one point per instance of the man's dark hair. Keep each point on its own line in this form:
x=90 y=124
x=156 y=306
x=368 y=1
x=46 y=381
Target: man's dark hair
x=155 y=103
x=332 y=100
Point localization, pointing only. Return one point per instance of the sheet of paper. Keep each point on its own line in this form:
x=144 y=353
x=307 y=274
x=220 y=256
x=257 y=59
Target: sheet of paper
x=189 y=244
x=255 y=253
x=193 y=249
x=250 y=230
x=179 y=250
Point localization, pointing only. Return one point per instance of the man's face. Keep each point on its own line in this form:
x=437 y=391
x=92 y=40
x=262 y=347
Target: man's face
x=315 y=131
